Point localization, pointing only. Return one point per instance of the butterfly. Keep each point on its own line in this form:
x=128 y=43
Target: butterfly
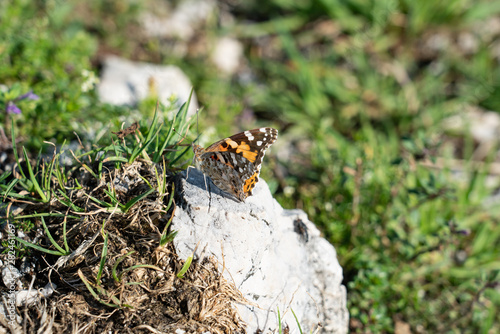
x=233 y=163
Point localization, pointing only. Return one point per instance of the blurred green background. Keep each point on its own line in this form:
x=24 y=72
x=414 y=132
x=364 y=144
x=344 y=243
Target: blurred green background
x=388 y=116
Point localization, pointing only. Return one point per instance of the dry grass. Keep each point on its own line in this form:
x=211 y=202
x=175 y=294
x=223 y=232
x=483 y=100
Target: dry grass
x=148 y=297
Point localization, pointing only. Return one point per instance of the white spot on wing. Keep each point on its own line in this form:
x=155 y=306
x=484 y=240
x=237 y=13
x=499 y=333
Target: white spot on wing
x=263 y=130
x=259 y=143
x=249 y=135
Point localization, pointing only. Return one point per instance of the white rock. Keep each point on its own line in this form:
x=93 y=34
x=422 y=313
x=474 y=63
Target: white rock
x=227 y=54
x=468 y=43
x=11 y=276
x=270 y=263
x=483 y=125
x=29 y=297
x=181 y=22
x=124 y=82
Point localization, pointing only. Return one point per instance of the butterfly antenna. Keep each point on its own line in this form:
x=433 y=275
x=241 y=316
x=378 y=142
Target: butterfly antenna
x=180 y=135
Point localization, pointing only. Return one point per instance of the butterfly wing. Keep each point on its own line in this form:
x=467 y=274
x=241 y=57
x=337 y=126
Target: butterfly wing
x=239 y=157
x=251 y=144
x=228 y=171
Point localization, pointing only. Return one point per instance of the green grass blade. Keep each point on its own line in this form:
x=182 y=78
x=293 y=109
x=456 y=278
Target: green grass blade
x=185 y=267
x=88 y=169
x=65 y=239
x=179 y=118
x=134 y=200
x=9 y=187
x=98 y=201
x=162 y=179
x=103 y=259
x=61 y=178
x=297 y=321
x=33 y=178
x=165 y=239
x=180 y=156
x=171 y=199
x=27 y=198
x=159 y=151
x=112 y=195
x=68 y=202
x=38 y=248
x=118 y=261
x=50 y=172
x=146 y=181
x=5 y=175
x=279 y=322
x=93 y=293
x=52 y=241
x=46 y=214
x=183 y=111
x=14 y=148
x=154 y=129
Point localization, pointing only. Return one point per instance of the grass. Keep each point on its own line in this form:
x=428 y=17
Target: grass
x=107 y=216
x=361 y=93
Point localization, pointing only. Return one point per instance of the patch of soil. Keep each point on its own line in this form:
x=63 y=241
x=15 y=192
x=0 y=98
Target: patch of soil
x=134 y=287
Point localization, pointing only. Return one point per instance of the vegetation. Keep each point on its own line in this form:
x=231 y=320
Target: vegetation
x=363 y=94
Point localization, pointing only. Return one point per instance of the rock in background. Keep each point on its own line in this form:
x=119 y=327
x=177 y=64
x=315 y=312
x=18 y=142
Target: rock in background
x=275 y=257
x=124 y=82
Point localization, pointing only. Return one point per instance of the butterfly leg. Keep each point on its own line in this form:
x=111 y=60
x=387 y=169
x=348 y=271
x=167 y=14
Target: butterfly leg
x=187 y=172
x=207 y=188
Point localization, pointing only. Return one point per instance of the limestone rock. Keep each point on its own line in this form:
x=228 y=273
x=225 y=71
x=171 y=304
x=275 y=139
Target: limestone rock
x=124 y=82
x=275 y=257
x=181 y=22
x=227 y=54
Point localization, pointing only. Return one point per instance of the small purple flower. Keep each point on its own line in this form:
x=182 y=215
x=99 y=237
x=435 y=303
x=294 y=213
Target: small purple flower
x=465 y=232
x=29 y=95
x=12 y=108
